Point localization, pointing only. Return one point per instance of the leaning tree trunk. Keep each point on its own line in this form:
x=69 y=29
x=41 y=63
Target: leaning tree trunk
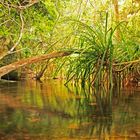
x=13 y=66
x=8 y=59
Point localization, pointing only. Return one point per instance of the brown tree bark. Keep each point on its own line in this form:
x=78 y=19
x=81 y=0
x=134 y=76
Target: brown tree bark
x=40 y=74
x=13 y=66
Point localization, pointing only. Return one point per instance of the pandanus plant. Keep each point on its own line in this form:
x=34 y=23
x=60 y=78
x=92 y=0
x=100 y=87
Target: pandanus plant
x=95 y=50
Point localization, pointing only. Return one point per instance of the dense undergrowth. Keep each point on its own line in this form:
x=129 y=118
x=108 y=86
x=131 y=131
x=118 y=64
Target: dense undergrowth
x=100 y=59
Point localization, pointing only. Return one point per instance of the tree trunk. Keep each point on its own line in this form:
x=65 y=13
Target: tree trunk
x=13 y=66
x=40 y=74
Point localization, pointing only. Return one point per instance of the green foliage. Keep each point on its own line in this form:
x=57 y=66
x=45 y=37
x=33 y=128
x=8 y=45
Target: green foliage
x=82 y=27
x=38 y=22
x=95 y=49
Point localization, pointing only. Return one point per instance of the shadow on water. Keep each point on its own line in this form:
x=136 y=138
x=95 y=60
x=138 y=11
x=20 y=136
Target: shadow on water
x=49 y=111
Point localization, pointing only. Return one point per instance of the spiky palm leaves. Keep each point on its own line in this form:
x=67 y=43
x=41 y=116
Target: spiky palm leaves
x=95 y=54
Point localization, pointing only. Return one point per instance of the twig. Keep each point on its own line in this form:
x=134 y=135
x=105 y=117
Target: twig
x=17 y=51
x=4 y=22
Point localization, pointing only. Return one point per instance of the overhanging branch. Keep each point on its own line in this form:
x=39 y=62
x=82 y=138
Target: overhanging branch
x=13 y=66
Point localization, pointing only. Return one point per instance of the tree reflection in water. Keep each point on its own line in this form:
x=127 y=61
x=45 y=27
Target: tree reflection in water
x=52 y=111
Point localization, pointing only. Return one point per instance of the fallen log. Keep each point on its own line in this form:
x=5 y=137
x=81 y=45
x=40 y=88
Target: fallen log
x=13 y=66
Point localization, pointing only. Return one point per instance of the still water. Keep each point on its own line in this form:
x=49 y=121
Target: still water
x=50 y=111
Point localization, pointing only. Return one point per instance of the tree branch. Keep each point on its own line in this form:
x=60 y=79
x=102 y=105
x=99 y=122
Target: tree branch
x=19 y=38
x=20 y=35
x=4 y=22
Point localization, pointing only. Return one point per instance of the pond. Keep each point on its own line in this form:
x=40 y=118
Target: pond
x=51 y=111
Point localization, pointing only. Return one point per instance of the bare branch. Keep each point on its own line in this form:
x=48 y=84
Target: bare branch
x=18 y=41
x=20 y=35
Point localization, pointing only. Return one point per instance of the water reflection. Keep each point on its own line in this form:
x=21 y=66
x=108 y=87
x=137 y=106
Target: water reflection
x=52 y=111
